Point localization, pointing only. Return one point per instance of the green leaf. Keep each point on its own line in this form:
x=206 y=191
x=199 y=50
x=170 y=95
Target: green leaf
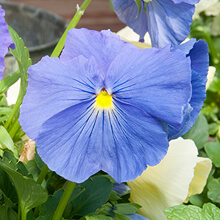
x=97 y=192
x=98 y=217
x=6 y=186
x=114 y=196
x=5 y=110
x=213 y=128
x=120 y=217
x=212 y=210
x=49 y=207
x=182 y=212
x=7 y=213
x=214 y=190
x=126 y=209
x=22 y=56
x=213 y=151
x=6 y=141
x=9 y=81
x=199 y=133
x=33 y=169
x=30 y=194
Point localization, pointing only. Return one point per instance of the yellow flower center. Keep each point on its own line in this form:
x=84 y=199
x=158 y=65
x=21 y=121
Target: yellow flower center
x=104 y=100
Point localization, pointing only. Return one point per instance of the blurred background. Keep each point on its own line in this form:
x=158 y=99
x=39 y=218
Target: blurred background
x=98 y=15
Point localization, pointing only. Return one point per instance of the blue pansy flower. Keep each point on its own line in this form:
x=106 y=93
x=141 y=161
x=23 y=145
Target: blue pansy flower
x=5 y=40
x=105 y=105
x=199 y=56
x=167 y=21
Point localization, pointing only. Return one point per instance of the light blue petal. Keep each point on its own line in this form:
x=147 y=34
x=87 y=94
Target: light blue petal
x=53 y=86
x=127 y=12
x=5 y=40
x=198 y=54
x=81 y=140
x=192 y=2
x=137 y=217
x=168 y=22
x=157 y=81
x=185 y=47
x=70 y=142
x=91 y=43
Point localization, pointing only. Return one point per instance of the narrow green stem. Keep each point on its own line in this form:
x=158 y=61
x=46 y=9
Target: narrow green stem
x=15 y=127
x=19 y=211
x=14 y=111
x=64 y=200
x=23 y=214
x=71 y=25
x=42 y=175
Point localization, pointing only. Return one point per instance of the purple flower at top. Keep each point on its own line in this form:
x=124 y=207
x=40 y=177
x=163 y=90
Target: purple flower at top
x=105 y=105
x=5 y=40
x=198 y=53
x=167 y=21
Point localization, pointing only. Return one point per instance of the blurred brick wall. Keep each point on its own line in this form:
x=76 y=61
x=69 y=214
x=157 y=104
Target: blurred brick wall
x=98 y=15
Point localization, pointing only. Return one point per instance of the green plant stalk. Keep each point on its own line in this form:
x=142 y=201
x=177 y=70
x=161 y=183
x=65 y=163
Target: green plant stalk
x=14 y=111
x=64 y=200
x=42 y=175
x=71 y=25
x=23 y=215
x=16 y=126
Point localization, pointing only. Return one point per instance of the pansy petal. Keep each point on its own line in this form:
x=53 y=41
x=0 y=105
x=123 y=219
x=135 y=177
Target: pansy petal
x=127 y=12
x=199 y=56
x=85 y=139
x=70 y=142
x=199 y=64
x=5 y=40
x=192 y=2
x=201 y=173
x=168 y=22
x=157 y=81
x=53 y=86
x=166 y=184
x=91 y=43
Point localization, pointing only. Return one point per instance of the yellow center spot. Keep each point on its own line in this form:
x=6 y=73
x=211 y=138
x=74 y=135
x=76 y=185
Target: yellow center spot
x=104 y=100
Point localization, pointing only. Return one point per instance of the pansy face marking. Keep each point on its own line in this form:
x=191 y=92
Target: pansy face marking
x=104 y=100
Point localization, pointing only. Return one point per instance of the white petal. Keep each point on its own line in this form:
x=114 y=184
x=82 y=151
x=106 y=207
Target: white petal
x=201 y=173
x=166 y=184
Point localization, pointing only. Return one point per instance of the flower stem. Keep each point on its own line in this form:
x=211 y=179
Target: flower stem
x=71 y=25
x=42 y=175
x=64 y=200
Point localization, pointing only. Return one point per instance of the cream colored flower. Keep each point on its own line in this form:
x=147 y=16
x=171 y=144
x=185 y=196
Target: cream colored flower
x=180 y=174
x=204 y=5
x=210 y=76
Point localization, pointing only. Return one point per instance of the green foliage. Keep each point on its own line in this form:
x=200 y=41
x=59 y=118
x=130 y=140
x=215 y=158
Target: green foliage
x=214 y=190
x=208 y=212
x=22 y=56
x=199 y=133
x=9 y=81
x=213 y=151
x=6 y=142
x=97 y=191
x=30 y=194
